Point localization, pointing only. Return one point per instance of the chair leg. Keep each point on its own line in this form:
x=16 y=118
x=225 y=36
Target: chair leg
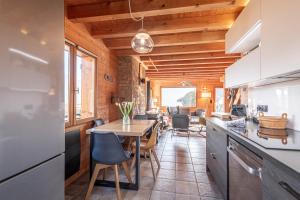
x=133 y=161
x=92 y=182
x=118 y=190
x=152 y=164
x=156 y=158
x=126 y=170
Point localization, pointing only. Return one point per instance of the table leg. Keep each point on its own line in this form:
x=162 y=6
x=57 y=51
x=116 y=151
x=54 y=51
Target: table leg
x=137 y=163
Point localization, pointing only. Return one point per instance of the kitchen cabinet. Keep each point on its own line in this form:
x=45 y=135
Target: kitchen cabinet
x=244 y=71
x=278 y=184
x=280 y=44
x=244 y=34
x=216 y=155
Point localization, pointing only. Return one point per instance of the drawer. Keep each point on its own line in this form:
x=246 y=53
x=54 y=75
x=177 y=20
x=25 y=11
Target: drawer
x=279 y=184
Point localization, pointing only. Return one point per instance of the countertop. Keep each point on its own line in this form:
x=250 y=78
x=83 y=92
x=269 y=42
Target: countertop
x=287 y=159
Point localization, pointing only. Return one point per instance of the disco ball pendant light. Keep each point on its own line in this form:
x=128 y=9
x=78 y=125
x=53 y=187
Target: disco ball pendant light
x=142 y=41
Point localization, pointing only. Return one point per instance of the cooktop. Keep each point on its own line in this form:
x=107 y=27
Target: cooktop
x=270 y=138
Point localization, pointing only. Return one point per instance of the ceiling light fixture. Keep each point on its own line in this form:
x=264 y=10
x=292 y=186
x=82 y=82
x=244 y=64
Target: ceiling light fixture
x=142 y=41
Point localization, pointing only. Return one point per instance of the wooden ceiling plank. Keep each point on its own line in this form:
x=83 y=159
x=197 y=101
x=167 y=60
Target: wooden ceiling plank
x=164 y=26
x=191 y=62
x=117 y=10
x=191 y=56
x=183 y=49
x=171 y=39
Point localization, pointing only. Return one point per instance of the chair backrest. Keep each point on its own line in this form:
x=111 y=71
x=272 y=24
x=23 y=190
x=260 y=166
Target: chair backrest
x=107 y=149
x=153 y=138
x=173 y=110
x=184 y=110
x=98 y=122
x=140 y=117
x=200 y=112
x=180 y=121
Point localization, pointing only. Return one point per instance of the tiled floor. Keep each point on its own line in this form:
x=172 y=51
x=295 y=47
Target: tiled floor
x=182 y=175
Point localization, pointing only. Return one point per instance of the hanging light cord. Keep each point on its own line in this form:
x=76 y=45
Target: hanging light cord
x=133 y=17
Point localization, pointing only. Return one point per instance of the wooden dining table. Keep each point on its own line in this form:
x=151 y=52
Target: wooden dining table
x=137 y=129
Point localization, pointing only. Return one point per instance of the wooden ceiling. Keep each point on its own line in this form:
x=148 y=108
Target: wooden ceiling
x=189 y=35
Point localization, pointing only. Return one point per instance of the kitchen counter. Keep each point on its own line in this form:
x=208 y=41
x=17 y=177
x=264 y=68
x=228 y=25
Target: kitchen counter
x=286 y=159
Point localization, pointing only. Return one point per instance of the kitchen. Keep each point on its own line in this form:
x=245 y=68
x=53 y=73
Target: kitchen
x=251 y=161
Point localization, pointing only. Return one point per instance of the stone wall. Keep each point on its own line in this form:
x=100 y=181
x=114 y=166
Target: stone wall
x=129 y=86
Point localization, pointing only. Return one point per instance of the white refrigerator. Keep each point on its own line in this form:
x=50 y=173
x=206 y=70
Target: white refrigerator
x=32 y=140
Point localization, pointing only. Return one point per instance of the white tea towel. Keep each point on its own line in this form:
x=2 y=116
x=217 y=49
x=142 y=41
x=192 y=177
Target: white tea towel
x=239 y=123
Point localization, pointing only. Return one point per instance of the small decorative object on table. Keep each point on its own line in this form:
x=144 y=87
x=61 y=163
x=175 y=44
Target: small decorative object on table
x=125 y=108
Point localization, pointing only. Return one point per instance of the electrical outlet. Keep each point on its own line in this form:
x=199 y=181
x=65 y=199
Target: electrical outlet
x=262 y=108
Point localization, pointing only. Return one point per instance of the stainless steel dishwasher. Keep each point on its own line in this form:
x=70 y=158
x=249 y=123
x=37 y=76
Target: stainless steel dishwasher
x=245 y=170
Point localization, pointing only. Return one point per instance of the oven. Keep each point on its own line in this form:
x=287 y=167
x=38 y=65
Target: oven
x=245 y=169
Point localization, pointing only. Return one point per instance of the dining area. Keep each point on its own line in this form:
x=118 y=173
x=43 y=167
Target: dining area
x=151 y=167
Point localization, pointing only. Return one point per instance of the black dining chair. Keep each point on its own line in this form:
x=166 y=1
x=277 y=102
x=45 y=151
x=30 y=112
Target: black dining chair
x=107 y=151
x=180 y=123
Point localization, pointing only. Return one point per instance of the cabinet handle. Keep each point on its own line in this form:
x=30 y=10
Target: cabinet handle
x=289 y=189
x=213 y=155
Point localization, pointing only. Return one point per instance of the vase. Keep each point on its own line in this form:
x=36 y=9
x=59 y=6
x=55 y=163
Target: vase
x=126 y=120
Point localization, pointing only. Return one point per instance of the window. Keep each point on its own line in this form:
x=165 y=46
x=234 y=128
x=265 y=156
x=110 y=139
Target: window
x=85 y=81
x=185 y=97
x=67 y=56
x=219 y=103
x=79 y=74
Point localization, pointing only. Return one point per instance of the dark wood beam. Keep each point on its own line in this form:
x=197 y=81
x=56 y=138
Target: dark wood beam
x=171 y=39
x=191 y=56
x=213 y=61
x=155 y=26
x=183 y=49
x=116 y=10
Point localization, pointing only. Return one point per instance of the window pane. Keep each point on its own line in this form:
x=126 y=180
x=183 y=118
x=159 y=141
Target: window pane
x=219 y=105
x=67 y=81
x=85 y=80
x=178 y=97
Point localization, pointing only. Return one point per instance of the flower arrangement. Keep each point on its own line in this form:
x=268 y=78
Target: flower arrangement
x=125 y=108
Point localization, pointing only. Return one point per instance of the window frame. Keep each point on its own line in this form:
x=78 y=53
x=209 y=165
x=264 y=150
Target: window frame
x=72 y=87
x=196 y=94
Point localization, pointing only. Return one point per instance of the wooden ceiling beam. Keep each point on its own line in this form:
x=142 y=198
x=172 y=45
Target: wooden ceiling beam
x=163 y=26
x=191 y=62
x=199 y=66
x=183 y=49
x=194 y=56
x=116 y=10
x=171 y=39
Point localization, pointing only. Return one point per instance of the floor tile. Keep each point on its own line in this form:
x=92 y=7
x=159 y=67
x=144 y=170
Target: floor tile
x=167 y=174
x=168 y=165
x=209 y=190
x=159 y=195
x=204 y=178
x=184 y=187
x=187 y=197
x=186 y=160
x=184 y=167
x=165 y=185
x=185 y=176
x=136 y=195
x=200 y=168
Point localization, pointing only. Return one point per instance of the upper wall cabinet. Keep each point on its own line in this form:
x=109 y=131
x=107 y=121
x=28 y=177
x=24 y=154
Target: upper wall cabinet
x=244 y=34
x=280 y=37
x=244 y=71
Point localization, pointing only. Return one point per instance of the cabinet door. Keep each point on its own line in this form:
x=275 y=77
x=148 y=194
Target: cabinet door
x=244 y=34
x=280 y=43
x=245 y=70
x=217 y=156
x=278 y=184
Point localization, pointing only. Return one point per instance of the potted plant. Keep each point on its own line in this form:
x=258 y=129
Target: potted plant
x=126 y=108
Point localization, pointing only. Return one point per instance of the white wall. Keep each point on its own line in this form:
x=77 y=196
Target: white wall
x=281 y=98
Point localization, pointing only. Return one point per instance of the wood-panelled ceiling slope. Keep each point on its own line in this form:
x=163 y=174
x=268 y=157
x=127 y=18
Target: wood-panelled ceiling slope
x=189 y=35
